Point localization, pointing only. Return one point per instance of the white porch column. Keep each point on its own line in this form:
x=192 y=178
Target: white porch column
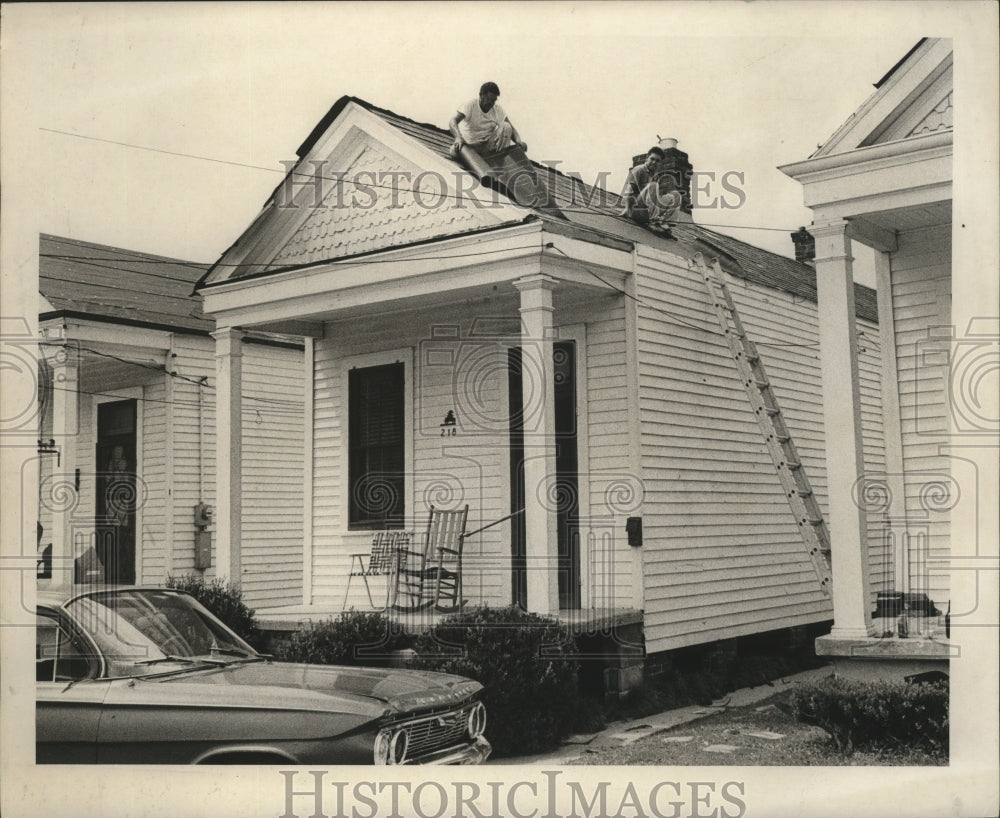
x=228 y=451
x=538 y=402
x=842 y=421
x=65 y=432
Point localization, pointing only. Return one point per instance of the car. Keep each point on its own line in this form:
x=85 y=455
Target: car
x=141 y=675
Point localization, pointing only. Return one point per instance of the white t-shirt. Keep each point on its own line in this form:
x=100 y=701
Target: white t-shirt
x=478 y=125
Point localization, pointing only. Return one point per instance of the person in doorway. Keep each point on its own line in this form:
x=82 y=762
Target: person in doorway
x=649 y=199
x=483 y=125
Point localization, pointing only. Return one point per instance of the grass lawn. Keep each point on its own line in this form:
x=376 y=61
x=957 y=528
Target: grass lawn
x=782 y=742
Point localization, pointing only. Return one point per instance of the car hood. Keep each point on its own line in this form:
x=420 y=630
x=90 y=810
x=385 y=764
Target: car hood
x=379 y=691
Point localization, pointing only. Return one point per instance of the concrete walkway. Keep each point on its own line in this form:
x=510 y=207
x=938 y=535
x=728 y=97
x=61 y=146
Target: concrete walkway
x=625 y=732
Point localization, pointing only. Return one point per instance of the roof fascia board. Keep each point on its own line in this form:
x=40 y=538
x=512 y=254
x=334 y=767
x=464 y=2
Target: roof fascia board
x=887 y=152
x=920 y=167
x=103 y=332
x=588 y=253
x=923 y=66
x=393 y=266
x=848 y=208
x=436 y=284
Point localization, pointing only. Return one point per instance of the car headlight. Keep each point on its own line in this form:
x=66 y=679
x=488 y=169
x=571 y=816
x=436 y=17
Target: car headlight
x=391 y=746
x=477 y=720
x=381 y=751
x=398 y=746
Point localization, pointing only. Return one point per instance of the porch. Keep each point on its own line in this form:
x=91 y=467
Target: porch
x=497 y=382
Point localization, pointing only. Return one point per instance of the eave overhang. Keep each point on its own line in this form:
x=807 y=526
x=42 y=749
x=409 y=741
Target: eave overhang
x=427 y=275
x=912 y=171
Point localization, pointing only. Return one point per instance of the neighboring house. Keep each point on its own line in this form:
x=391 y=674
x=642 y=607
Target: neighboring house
x=128 y=400
x=884 y=179
x=463 y=348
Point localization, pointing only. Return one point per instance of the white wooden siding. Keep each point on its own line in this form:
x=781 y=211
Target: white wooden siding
x=723 y=556
x=193 y=479
x=615 y=493
x=273 y=457
x=272 y=479
x=152 y=484
x=921 y=279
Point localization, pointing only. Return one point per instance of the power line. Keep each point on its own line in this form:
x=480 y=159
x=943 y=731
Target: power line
x=409 y=260
x=394 y=188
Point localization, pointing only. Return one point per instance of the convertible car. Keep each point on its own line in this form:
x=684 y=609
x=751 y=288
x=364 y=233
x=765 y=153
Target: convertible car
x=149 y=676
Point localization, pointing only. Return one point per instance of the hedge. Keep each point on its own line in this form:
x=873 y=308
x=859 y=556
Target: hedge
x=526 y=664
x=351 y=638
x=880 y=715
x=225 y=600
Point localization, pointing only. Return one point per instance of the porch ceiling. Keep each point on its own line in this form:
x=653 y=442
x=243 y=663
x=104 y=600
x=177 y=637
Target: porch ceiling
x=492 y=299
x=916 y=217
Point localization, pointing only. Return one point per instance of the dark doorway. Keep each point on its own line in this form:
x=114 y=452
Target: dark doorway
x=519 y=577
x=567 y=477
x=116 y=487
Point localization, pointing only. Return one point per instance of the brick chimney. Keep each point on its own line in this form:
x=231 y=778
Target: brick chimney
x=805 y=246
x=675 y=164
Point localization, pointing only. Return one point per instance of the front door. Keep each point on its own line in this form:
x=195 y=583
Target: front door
x=567 y=478
x=116 y=490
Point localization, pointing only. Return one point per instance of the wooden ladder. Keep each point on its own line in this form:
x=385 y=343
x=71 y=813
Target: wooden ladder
x=779 y=442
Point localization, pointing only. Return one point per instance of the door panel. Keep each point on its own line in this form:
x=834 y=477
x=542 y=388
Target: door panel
x=67 y=702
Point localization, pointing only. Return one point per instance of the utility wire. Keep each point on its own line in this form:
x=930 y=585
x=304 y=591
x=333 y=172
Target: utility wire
x=306 y=177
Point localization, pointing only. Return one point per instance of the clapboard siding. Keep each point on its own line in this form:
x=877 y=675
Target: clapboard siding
x=722 y=553
x=193 y=479
x=921 y=299
x=272 y=476
x=271 y=541
x=153 y=497
x=615 y=493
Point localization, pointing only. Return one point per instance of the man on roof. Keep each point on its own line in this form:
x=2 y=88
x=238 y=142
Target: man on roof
x=651 y=199
x=483 y=125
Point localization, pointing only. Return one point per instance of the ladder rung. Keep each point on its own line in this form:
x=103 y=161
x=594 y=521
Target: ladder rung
x=791 y=473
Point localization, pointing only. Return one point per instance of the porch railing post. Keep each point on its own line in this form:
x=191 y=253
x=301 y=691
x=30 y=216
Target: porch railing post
x=538 y=404
x=842 y=424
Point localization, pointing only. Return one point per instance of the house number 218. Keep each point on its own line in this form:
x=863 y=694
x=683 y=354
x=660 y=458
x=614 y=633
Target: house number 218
x=449 y=431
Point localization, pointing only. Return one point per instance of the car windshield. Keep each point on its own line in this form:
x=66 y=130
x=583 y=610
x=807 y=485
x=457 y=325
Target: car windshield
x=141 y=632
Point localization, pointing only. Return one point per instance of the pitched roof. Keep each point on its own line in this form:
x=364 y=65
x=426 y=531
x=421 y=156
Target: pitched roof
x=590 y=213
x=87 y=280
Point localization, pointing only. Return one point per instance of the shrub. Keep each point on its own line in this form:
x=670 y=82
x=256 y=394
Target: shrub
x=225 y=600
x=526 y=664
x=873 y=716
x=351 y=638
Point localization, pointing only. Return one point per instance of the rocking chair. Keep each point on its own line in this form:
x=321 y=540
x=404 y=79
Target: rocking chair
x=433 y=576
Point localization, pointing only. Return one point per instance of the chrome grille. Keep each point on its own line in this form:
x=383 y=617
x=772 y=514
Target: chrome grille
x=436 y=732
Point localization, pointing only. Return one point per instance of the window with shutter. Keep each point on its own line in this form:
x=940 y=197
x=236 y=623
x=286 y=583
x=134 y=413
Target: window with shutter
x=376 y=447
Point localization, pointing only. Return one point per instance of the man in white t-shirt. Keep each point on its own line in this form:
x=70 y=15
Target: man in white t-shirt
x=483 y=125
